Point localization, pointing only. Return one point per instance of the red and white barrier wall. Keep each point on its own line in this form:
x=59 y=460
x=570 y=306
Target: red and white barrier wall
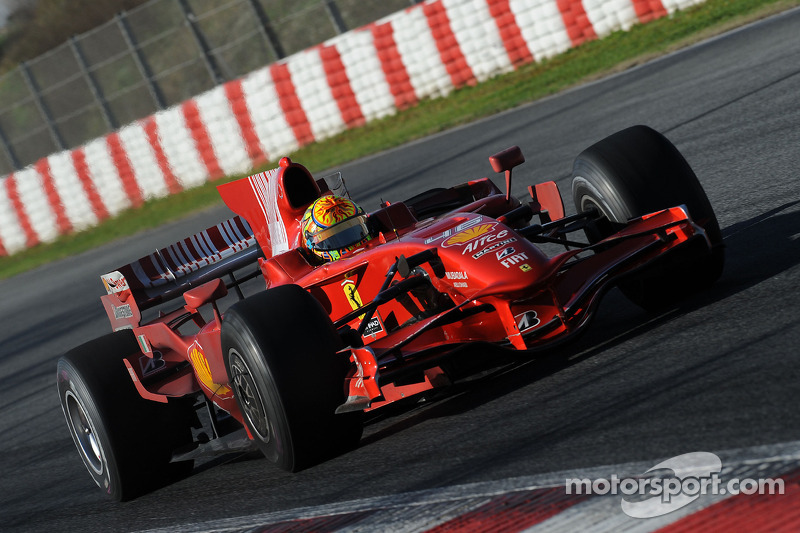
x=423 y=52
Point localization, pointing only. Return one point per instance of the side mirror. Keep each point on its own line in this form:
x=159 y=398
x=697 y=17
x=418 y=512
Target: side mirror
x=506 y=160
x=208 y=292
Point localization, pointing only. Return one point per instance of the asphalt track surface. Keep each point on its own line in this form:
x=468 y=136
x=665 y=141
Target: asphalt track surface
x=720 y=371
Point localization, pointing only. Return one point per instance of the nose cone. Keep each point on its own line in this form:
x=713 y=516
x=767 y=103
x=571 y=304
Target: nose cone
x=480 y=253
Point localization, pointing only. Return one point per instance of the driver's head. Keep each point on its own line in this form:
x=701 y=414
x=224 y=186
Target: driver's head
x=333 y=227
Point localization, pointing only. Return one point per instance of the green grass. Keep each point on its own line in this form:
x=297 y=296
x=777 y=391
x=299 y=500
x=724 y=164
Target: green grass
x=592 y=60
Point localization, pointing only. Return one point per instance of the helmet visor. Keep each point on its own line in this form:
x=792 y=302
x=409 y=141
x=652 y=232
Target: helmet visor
x=345 y=233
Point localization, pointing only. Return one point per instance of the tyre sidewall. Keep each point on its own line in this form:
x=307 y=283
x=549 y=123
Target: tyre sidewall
x=639 y=171
x=289 y=343
x=242 y=344
x=71 y=383
x=136 y=436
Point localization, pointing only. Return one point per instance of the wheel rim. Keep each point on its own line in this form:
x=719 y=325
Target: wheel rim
x=588 y=196
x=83 y=431
x=588 y=203
x=249 y=397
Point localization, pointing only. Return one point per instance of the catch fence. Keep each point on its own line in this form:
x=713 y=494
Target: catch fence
x=153 y=57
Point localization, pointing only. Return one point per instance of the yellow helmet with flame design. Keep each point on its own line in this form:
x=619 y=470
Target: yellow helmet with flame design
x=333 y=227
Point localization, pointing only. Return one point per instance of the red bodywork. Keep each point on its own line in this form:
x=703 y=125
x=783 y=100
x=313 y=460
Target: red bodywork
x=446 y=270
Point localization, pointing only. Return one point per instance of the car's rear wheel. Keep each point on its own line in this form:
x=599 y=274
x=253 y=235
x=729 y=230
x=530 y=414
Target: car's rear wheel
x=280 y=352
x=637 y=171
x=125 y=441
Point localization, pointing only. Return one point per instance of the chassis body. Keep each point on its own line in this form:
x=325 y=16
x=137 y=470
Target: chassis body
x=453 y=281
x=445 y=270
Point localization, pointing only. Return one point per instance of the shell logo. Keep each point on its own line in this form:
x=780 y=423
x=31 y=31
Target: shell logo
x=203 y=371
x=468 y=234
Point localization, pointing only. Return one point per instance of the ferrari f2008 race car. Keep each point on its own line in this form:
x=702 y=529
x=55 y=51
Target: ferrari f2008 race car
x=363 y=309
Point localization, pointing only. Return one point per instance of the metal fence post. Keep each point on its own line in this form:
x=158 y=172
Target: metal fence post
x=97 y=92
x=205 y=50
x=140 y=60
x=269 y=34
x=336 y=16
x=41 y=105
x=9 y=151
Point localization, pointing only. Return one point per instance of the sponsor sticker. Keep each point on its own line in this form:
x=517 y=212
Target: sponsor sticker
x=527 y=321
x=114 y=282
x=468 y=235
x=152 y=365
x=482 y=241
x=506 y=252
x=203 y=370
x=493 y=246
x=454 y=230
x=456 y=275
x=123 y=311
x=514 y=259
x=374 y=326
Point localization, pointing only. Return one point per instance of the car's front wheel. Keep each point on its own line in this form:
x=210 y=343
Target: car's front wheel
x=635 y=172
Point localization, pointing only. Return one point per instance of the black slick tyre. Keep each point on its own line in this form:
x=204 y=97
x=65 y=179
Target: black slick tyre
x=637 y=171
x=280 y=349
x=125 y=441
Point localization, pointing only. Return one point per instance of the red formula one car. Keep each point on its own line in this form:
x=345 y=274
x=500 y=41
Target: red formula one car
x=427 y=291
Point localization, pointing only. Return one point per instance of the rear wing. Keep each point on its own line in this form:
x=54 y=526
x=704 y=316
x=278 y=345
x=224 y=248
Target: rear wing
x=269 y=205
x=169 y=272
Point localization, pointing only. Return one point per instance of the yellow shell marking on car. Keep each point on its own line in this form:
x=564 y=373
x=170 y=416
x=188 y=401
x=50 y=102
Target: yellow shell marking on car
x=203 y=371
x=468 y=234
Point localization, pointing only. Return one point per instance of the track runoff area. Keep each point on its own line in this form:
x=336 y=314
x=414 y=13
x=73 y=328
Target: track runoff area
x=700 y=491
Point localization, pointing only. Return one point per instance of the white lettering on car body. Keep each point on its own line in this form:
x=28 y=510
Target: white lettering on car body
x=511 y=260
x=483 y=241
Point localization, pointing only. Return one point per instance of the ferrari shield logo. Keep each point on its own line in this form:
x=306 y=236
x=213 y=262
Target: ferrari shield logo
x=350 y=291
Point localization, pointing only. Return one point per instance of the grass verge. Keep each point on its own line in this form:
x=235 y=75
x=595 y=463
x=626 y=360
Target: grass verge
x=592 y=60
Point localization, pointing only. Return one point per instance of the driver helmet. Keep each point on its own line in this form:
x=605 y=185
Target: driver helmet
x=333 y=227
